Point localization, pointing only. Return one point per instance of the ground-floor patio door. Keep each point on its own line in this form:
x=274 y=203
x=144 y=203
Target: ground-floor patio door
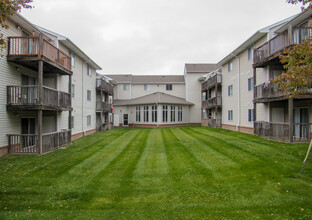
x=28 y=128
x=301 y=120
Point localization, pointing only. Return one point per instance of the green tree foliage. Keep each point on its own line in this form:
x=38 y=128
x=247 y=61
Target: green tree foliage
x=297 y=62
x=7 y=9
x=306 y=4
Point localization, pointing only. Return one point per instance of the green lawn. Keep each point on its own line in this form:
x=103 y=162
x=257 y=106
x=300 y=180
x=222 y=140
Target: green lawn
x=171 y=173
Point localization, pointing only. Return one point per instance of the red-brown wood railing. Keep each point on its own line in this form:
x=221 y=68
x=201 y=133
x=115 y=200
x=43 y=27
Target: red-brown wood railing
x=29 y=46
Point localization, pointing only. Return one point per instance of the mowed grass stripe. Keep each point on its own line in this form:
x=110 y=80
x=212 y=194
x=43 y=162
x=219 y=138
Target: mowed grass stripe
x=120 y=172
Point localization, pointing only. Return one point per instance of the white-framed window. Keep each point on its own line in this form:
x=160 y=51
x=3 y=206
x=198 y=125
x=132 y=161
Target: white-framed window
x=126 y=87
x=180 y=113
x=168 y=87
x=72 y=58
x=250 y=84
x=250 y=115
x=88 y=120
x=250 y=52
x=137 y=113
x=165 y=113
x=147 y=87
x=230 y=66
x=230 y=115
x=154 y=113
x=145 y=113
x=73 y=90
x=230 y=90
x=172 y=113
x=89 y=71
x=72 y=121
x=89 y=95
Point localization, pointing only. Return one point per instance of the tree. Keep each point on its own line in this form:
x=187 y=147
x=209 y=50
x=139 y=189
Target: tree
x=9 y=8
x=297 y=62
x=306 y=4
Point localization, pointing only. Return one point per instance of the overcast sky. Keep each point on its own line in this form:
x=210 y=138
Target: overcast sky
x=157 y=36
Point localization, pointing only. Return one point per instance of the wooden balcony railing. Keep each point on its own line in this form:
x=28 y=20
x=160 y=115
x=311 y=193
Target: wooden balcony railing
x=27 y=143
x=280 y=131
x=212 y=81
x=103 y=106
x=29 y=46
x=28 y=95
x=279 y=43
x=102 y=84
x=23 y=144
x=55 y=140
x=267 y=91
x=214 y=123
x=212 y=102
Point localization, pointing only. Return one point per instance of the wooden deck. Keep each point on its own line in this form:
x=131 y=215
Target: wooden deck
x=27 y=51
x=105 y=86
x=26 y=98
x=27 y=143
x=103 y=106
x=212 y=82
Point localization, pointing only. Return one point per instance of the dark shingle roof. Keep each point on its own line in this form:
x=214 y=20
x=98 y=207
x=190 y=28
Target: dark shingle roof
x=147 y=78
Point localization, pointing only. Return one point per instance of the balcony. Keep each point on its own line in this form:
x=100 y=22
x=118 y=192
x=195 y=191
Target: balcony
x=215 y=102
x=271 y=49
x=302 y=132
x=103 y=106
x=27 y=51
x=212 y=82
x=269 y=92
x=27 y=143
x=216 y=123
x=105 y=86
x=26 y=98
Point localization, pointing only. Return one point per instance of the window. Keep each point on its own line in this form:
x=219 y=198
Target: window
x=126 y=87
x=137 y=113
x=72 y=59
x=72 y=122
x=179 y=113
x=230 y=115
x=154 y=113
x=88 y=120
x=250 y=115
x=145 y=113
x=147 y=87
x=168 y=87
x=73 y=90
x=250 y=52
x=89 y=95
x=230 y=66
x=172 y=113
x=230 y=90
x=165 y=113
x=250 y=84
x=89 y=71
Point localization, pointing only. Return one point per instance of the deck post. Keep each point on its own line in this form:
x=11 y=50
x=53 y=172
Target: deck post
x=254 y=98
x=40 y=94
x=291 y=118
x=70 y=111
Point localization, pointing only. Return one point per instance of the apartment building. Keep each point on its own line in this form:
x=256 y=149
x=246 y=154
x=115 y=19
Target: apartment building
x=277 y=116
x=49 y=90
x=150 y=100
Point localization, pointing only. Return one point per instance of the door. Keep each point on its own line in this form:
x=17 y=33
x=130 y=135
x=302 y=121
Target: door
x=301 y=120
x=116 y=120
x=28 y=128
x=28 y=93
x=125 y=119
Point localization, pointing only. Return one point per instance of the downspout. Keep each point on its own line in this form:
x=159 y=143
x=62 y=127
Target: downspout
x=82 y=106
x=239 y=98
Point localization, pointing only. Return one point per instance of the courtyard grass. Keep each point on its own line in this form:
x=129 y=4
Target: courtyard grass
x=169 y=173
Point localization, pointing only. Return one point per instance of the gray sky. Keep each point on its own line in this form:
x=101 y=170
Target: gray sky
x=157 y=36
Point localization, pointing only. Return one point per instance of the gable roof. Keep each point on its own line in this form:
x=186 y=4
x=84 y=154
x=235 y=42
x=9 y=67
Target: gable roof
x=154 y=98
x=200 y=67
x=137 y=79
x=297 y=19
